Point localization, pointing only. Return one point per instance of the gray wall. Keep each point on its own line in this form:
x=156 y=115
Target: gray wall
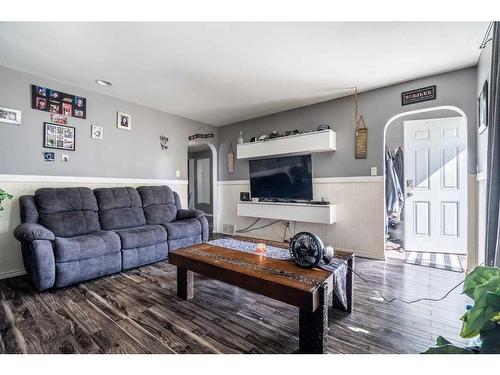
x=483 y=74
x=457 y=88
x=121 y=153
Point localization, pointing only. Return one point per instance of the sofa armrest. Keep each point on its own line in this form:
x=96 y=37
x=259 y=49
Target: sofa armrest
x=189 y=214
x=31 y=232
x=196 y=214
x=39 y=262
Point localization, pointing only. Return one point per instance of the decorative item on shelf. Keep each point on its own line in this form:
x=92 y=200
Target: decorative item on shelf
x=3 y=196
x=323 y=127
x=240 y=138
x=361 y=131
x=253 y=139
x=49 y=156
x=48 y=100
x=163 y=142
x=419 y=95
x=123 y=121
x=274 y=134
x=97 y=132
x=58 y=119
x=244 y=196
x=230 y=159
x=59 y=136
x=307 y=250
x=482 y=123
x=263 y=137
x=10 y=116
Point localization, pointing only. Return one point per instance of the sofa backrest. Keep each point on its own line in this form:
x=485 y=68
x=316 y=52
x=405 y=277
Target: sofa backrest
x=67 y=212
x=119 y=208
x=159 y=204
x=29 y=213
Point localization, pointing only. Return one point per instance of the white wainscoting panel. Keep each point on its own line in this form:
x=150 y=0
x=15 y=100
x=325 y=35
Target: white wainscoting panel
x=11 y=263
x=359 y=223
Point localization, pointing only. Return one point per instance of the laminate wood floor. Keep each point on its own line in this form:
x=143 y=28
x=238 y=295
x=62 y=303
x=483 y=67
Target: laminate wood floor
x=138 y=312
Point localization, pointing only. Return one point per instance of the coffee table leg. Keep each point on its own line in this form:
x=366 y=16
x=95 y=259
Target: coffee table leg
x=185 y=283
x=313 y=326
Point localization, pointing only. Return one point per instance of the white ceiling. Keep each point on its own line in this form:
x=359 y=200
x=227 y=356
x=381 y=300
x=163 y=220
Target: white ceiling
x=220 y=73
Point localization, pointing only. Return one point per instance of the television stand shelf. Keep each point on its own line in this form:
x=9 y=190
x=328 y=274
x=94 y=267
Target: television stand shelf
x=303 y=212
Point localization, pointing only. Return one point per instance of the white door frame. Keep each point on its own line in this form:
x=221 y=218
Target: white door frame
x=215 y=185
x=414 y=112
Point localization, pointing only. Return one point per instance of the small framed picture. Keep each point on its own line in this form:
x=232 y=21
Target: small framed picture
x=59 y=136
x=10 y=116
x=96 y=132
x=482 y=121
x=123 y=121
x=49 y=156
x=58 y=119
x=67 y=109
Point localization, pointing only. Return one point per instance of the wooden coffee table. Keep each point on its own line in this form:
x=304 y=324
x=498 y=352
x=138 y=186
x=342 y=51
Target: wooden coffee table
x=305 y=288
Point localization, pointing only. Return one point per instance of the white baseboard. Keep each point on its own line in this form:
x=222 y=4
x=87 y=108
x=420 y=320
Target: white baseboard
x=13 y=273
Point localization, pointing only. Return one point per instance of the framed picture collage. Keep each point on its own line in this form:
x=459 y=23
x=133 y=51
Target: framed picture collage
x=48 y=100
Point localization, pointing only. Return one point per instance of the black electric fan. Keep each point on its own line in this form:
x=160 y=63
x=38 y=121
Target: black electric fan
x=307 y=250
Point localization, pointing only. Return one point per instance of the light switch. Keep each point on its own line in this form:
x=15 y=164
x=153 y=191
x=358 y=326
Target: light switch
x=373 y=171
x=177 y=173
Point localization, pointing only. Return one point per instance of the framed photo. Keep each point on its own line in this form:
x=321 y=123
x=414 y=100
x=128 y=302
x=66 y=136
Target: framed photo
x=10 y=115
x=49 y=156
x=58 y=119
x=482 y=121
x=61 y=137
x=123 y=121
x=96 y=132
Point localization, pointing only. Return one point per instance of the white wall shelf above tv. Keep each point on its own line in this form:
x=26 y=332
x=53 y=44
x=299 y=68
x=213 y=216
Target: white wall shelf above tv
x=307 y=143
x=302 y=212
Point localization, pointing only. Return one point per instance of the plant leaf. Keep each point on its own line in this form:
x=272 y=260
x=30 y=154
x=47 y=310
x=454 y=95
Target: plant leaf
x=448 y=349
x=480 y=276
x=482 y=312
x=442 y=341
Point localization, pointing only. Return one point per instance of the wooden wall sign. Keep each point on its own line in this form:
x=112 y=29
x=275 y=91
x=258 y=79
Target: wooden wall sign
x=361 y=143
x=196 y=136
x=419 y=95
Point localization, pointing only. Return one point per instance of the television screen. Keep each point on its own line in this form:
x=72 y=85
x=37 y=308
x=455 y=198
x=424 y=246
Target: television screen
x=282 y=178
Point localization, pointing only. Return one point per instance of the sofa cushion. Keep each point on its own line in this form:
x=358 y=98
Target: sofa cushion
x=87 y=246
x=183 y=228
x=158 y=203
x=144 y=255
x=119 y=208
x=142 y=236
x=67 y=212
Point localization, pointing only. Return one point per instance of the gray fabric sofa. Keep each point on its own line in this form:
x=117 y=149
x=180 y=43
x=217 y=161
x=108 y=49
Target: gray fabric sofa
x=69 y=235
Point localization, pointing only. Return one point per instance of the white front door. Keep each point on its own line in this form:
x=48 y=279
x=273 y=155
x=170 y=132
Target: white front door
x=436 y=185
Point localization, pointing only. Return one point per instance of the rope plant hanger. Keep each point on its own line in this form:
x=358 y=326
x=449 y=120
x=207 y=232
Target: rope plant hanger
x=360 y=132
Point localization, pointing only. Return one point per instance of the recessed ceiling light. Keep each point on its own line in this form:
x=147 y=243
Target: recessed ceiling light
x=103 y=82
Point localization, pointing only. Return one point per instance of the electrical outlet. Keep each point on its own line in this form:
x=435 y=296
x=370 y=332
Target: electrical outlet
x=177 y=173
x=373 y=171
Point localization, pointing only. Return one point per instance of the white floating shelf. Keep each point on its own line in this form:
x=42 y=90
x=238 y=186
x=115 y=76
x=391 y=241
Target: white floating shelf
x=303 y=212
x=307 y=143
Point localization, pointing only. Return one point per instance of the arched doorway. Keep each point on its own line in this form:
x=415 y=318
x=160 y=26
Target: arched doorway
x=431 y=227
x=200 y=195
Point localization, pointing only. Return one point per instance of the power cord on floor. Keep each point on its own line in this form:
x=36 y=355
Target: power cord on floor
x=390 y=300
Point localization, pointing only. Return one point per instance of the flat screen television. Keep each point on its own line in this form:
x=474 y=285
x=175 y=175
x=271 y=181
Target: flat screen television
x=286 y=178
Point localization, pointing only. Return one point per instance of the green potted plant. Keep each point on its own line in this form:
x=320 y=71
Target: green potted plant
x=482 y=320
x=3 y=196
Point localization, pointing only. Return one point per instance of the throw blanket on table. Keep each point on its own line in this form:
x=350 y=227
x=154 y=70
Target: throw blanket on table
x=336 y=266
